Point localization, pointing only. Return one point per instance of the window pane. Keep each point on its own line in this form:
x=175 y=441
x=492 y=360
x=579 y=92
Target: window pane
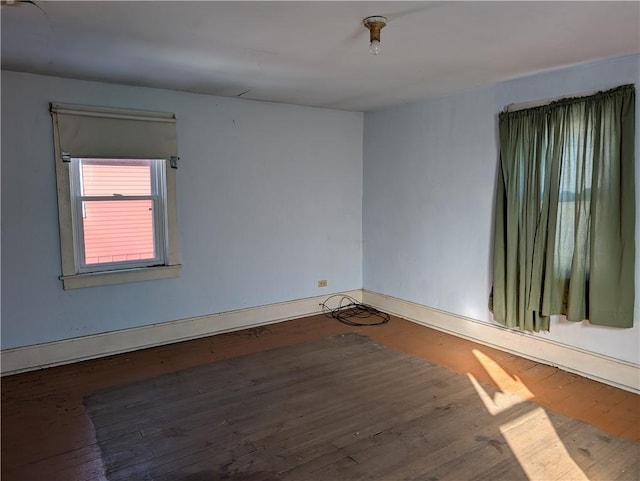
x=118 y=231
x=574 y=203
x=115 y=177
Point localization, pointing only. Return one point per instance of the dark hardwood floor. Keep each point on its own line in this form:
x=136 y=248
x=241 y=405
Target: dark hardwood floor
x=47 y=433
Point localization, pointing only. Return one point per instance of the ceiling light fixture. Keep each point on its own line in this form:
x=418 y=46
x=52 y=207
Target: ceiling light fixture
x=374 y=24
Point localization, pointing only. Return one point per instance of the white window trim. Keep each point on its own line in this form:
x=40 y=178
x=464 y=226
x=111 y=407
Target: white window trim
x=157 y=197
x=71 y=277
x=105 y=278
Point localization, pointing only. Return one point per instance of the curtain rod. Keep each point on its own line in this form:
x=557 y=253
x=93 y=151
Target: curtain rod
x=537 y=103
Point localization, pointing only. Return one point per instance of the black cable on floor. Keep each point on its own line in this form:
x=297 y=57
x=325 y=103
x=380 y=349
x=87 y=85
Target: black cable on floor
x=349 y=308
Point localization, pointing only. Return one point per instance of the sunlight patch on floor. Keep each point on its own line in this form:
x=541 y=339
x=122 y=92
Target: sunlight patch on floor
x=505 y=381
x=500 y=401
x=531 y=436
x=538 y=448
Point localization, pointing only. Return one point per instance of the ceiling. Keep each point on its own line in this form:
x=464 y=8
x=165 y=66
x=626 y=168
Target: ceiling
x=312 y=53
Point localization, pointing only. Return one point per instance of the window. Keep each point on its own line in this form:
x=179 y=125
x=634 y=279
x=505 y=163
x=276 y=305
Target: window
x=118 y=212
x=574 y=197
x=116 y=195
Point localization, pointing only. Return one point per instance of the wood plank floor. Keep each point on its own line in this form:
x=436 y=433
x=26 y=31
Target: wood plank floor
x=48 y=435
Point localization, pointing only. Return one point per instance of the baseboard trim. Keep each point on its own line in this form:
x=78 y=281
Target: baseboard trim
x=595 y=366
x=615 y=372
x=38 y=356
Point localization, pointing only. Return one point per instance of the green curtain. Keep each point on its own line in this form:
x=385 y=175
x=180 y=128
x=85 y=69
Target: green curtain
x=564 y=231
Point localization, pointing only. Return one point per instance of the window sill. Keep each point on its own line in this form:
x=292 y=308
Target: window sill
x=94 y=279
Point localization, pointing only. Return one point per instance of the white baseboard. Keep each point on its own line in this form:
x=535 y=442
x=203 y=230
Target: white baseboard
x=602 y=368
x=614 y=372
x=55 y=353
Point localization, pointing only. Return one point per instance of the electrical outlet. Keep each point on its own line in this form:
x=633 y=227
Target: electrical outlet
x=322 y=283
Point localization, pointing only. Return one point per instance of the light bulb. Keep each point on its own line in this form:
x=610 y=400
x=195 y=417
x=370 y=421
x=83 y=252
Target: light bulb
x=374 y=47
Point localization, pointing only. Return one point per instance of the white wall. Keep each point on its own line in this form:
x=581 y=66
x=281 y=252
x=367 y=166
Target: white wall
x=429 y=182
x=269 y=201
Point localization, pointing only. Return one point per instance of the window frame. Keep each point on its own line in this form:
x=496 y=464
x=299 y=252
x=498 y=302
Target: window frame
x=156 y=196
x=73 y=274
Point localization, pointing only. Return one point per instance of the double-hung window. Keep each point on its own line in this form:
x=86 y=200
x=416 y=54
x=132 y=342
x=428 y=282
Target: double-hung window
x=118 y=213
x=116 y=195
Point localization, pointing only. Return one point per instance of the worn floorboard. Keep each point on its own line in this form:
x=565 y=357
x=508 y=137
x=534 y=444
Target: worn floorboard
x=48 y=435
x=341 y=408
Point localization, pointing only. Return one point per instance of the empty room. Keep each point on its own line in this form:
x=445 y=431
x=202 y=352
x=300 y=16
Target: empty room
x=321 y=241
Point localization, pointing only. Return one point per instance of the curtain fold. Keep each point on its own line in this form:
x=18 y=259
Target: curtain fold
x=564 y=224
